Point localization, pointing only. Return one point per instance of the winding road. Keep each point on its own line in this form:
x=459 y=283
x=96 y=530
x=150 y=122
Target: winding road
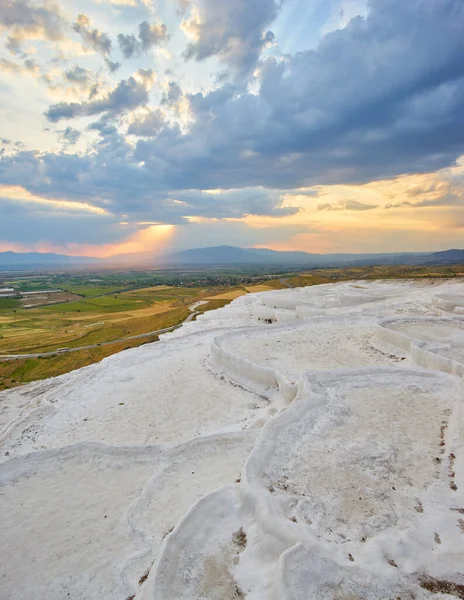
x=286 y=283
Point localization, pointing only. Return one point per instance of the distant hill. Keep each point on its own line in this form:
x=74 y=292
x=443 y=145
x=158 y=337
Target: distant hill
x=21 y=260
x=228 y=256
x=231 y=255
x=445 y=257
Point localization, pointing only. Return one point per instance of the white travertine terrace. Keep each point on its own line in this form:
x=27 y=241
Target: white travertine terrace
x=449 y=302
x=300 y=444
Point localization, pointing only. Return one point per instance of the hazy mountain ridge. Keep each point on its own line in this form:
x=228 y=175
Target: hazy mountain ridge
x=233 y=255
x=27 y=259
x=230 y=255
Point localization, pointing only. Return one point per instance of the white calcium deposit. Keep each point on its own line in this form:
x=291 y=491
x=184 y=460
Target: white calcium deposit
x=303 y=444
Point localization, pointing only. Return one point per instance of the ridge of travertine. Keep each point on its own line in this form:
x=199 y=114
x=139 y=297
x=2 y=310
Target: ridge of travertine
x=294 y=445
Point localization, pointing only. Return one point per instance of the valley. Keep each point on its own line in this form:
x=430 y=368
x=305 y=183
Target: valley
x=76 y=318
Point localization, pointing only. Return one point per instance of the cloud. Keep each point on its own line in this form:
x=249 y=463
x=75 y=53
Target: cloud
x=149 y=35
x=79 y=78
x=69 y=136
x=222 y=204
x=75 y=84
x=370 y=102
x=127 y=95
x=147 y=3
x=448 y=199
x=105 y=127
x=9 y=66
x=28 y=224
x=380 y=98
x=92 y=38
x=146 y=76
x=172 y=95
x=121 y=186
x=26 y=20
x=236 y=31
x=113 y=66
x=346 y=205
x=148 y=125
x=20 y=195
x=78 y=75
x=29 y=67
x=152 y=35
x=128 y=44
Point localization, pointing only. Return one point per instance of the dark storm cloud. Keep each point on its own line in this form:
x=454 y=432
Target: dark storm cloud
x=127 y=95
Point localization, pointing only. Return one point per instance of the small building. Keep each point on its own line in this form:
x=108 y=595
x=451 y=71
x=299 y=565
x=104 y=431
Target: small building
x=8 y=292
x=26 y=294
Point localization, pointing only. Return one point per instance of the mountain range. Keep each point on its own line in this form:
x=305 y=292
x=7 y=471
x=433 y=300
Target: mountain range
x=231 y=255
x=21 y=260
x=226 y=256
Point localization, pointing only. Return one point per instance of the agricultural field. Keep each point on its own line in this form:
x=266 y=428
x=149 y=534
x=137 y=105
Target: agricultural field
x=90 y=291
x=101 y=311
x=103 y=321
x=75 y=323
x=6 y=304
x=20 y=371
x=32 y=300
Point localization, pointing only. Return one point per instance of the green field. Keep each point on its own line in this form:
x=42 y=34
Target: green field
x=89 y=291
x=8 y=303
x=97 y=305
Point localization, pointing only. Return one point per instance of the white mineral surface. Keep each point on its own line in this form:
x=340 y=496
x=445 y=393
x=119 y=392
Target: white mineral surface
x=303 y=444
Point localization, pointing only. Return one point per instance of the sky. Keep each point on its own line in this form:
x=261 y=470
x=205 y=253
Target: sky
x=158 y=125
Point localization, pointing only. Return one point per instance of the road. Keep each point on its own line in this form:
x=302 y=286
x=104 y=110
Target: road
x=286 y=283
x=9 y=357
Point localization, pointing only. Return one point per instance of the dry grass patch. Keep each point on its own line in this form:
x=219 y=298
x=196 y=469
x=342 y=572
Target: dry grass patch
x=227 y=295
x=263 y=287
